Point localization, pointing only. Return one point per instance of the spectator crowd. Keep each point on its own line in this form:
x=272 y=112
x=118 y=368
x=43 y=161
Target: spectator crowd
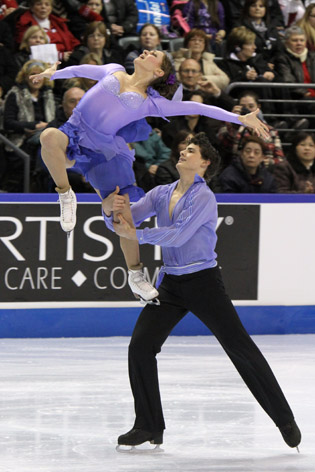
x=213 y=46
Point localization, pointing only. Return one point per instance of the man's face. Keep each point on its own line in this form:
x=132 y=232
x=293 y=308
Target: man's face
x=190 y=73
x=71 y=99
x=251 y=156
x=191 y=161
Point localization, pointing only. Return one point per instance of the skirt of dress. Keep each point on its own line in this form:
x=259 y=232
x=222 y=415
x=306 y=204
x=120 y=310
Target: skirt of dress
x=103 y=175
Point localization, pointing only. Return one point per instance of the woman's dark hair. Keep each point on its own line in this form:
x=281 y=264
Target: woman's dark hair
x=153 y=26
x=248 y=4
x=212 y=7
x=160 y=84
x=180 y=137
x=208 y=152
x=295 y=141
x=96 y=26
x=196 y=32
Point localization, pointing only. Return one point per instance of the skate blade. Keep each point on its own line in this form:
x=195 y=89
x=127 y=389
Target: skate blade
x=136 y=450
x=298 y=450
x=154 y=301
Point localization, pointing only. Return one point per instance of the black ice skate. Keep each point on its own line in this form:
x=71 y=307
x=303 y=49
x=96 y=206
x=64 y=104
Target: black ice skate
x=141 y=288
x=291 y=434
x=136 y=437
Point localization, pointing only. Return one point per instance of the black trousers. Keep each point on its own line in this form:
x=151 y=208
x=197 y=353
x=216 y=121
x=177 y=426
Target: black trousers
x=203 y=294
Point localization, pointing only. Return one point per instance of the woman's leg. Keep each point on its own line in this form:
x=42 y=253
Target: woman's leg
x=54 y=144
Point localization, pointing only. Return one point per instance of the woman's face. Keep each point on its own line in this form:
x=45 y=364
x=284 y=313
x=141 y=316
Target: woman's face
x=248 y=50
x=149 y=60
x=248 y=102
x=305 y=150
x=96 y=40
x=257 y=10
x=311 y=17
x=296 y=42
x=95 y=5
x=36 y=38
x=197 y=44
x=149 y=38
x=42 y=9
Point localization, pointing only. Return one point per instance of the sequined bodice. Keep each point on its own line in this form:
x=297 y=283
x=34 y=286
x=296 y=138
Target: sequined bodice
x=131 y=99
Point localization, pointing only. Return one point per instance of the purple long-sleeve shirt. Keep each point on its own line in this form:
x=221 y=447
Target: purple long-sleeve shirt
x=188 y=239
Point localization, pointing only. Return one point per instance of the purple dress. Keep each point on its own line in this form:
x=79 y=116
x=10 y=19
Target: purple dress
x=105 y=120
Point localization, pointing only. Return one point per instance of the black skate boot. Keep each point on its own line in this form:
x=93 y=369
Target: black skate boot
x=291 y=434
x=137 y=436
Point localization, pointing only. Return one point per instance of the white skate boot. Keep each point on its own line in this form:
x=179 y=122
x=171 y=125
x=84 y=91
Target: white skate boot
x=68 y=209
x=141 y=288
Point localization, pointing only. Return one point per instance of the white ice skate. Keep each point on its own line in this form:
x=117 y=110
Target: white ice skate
x=141 y=288
x=68 y=210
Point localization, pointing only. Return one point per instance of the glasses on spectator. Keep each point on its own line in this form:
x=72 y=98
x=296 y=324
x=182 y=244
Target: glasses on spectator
x=191 y=71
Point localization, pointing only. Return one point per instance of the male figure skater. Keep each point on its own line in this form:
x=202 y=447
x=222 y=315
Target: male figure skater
x=190 y=280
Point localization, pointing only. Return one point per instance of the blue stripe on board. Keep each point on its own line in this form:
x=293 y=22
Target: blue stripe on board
x=221 y=198
x=102 y=322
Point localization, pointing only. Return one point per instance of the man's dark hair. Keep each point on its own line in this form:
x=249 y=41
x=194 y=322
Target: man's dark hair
x=253 y=139
x=208 y=153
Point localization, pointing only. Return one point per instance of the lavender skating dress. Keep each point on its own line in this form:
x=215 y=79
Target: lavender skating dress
x=105 y=120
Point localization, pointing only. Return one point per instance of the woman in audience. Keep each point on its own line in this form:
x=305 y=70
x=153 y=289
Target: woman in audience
x=96 y=40
x=55 y=27
x=33 y=36
x=209 y=16
x=27 y=110
x=166 y=172
x=196 y=47
x=307 y=23
x=297 y=174
x=255 y=16
x=150 y=39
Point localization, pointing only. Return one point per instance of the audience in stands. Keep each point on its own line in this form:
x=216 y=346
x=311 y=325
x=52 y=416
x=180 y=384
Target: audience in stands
x=307 y=24
x=121 y=17
x=87 y=13
x=55 y=27
x=97 y=40
x=297 y=174
x=233 y=9
x=247 y=173
x=196 y=47
x=33 y=36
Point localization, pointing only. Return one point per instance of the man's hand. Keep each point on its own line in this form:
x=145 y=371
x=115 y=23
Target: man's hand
x=251 y=121
x=124 y=229
x=209 y=87
x=117 y=30
x=113 y=202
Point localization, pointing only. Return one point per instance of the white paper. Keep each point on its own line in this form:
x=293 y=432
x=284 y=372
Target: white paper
x=45 y=52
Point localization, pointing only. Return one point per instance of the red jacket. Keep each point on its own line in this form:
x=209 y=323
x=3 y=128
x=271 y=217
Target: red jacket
x=7 y=4
x=59 y=33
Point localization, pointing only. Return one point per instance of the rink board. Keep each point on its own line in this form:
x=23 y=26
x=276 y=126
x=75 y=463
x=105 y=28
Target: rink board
x=51 y=286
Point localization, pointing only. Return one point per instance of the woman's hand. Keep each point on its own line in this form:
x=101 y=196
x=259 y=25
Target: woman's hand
x=113 y=202
x=35 y=78
x=124 y=229
x=251 y=121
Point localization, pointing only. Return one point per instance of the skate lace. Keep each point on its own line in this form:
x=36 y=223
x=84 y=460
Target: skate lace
x=66 y=207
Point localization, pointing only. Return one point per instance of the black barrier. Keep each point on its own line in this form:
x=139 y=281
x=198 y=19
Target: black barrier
x=40 y=264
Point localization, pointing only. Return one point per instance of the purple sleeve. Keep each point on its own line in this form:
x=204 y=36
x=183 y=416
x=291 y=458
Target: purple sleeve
x=174 y=108
x=195 y=215
x=86 y=70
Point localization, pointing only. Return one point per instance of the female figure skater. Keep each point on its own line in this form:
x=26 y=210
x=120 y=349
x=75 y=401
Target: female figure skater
x=94 y=139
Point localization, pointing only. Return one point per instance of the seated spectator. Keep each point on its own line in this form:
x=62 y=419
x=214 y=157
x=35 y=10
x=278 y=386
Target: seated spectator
x=96 y=40
x=191 y=123
x=247 y=174
x=83 y=82
x=56 y=28
x=150 y=38
x=42 y=182
x=6 y=38
x=296 y=64
x=166 y=172
x=33 y=36
x=195 y=47
x=307 y=24
x=86 y=13
x=234 y=9
x=297 y=174
x=121 y=17
x=255 y=17
x=149 y=154
x=209 y=16
x=27 y=110
x=231 y=136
